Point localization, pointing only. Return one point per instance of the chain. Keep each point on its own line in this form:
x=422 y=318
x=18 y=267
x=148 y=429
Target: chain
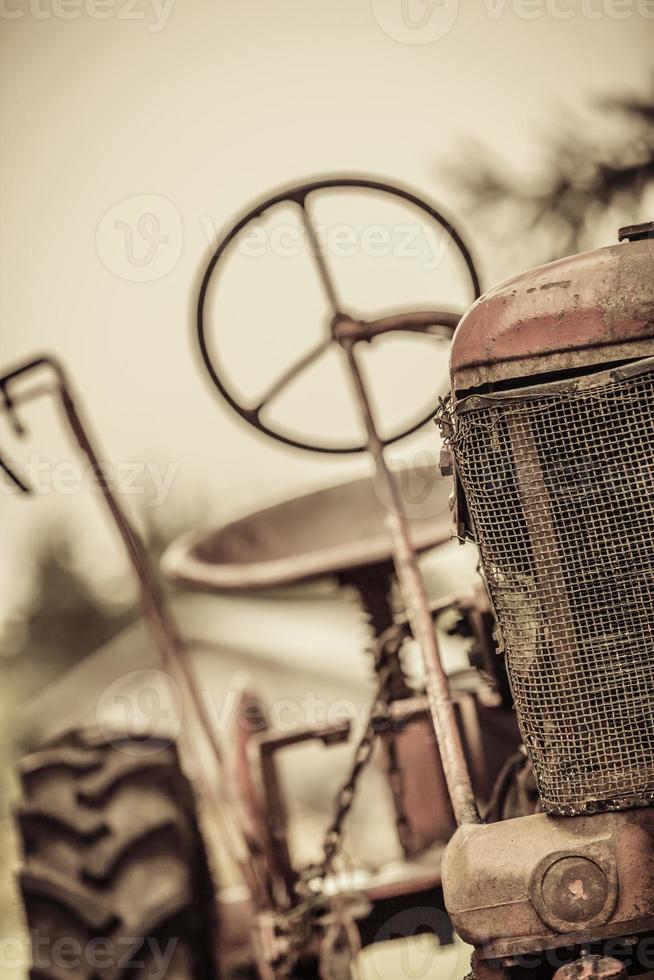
x=384 y=649
x=299 y=920
x=393 y=768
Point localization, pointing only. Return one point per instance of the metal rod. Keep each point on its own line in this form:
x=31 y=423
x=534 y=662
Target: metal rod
x=167 y=638
x=328 y=285
x=292 y=373
x=416 y=602
x=419 y=321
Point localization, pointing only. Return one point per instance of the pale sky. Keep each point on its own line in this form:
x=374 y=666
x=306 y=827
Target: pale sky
x=207 y=106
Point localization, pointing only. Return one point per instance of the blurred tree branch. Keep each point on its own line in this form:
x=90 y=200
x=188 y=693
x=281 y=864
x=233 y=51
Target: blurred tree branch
x=582 y=177
x=70 y=610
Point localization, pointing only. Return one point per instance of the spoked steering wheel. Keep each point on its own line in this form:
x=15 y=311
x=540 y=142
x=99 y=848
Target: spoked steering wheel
x=344 y=330
x=348 y=332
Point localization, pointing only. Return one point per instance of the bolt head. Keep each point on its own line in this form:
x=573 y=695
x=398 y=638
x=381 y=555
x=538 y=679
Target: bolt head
x=446 y=465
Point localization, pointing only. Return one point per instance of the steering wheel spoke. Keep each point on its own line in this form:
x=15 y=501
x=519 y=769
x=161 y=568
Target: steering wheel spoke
x=319 y=258
x=344 y=330
x=291 y=374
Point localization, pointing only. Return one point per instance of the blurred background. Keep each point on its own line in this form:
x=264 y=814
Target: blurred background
x=136 y=134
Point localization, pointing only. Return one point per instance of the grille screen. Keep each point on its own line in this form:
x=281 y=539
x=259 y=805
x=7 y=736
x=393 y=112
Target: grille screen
x=558 y=482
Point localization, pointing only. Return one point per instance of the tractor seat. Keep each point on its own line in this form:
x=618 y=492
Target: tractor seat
x=330 y=531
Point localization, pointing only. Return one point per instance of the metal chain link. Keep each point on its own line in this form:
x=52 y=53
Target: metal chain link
x=385 y=668
x=298 y=922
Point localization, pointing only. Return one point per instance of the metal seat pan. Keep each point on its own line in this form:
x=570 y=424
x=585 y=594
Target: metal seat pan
x=326 y=532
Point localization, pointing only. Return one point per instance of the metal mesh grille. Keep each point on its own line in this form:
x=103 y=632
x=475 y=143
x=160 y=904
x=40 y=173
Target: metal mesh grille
x=559 y=486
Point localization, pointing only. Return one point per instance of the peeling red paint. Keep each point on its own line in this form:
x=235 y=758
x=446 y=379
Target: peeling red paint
x=595 y=299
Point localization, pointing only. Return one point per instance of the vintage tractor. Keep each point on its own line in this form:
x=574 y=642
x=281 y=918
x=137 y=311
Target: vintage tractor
x=549 y=431
x=177 y=861
x=178 y=854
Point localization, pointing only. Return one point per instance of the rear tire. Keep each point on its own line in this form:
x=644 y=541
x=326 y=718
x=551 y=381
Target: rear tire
x=115 y=880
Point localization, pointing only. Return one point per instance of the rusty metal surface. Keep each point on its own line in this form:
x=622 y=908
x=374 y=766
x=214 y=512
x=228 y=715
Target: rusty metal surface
x=507 y=885
x=568 y=313
x=321 y=533
x=422 y=788
x=434 y=323
x=416 y=603
x=592 y=968
x=556 y=484
x=569 y=889
x=483 y=970
x=489 y=736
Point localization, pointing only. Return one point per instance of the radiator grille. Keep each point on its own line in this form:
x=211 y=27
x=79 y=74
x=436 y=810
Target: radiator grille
x=558 y=482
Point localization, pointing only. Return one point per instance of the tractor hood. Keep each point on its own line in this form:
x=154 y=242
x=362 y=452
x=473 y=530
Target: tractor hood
x=586 y=309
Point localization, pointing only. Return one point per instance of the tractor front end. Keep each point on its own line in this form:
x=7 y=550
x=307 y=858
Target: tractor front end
x=550 y=439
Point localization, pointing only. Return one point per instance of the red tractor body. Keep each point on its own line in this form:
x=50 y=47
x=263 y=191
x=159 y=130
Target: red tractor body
x=551 y=437
x=584 y=310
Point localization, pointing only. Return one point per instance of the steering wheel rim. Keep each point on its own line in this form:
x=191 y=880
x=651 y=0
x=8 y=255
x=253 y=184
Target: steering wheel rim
x=358 y=330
